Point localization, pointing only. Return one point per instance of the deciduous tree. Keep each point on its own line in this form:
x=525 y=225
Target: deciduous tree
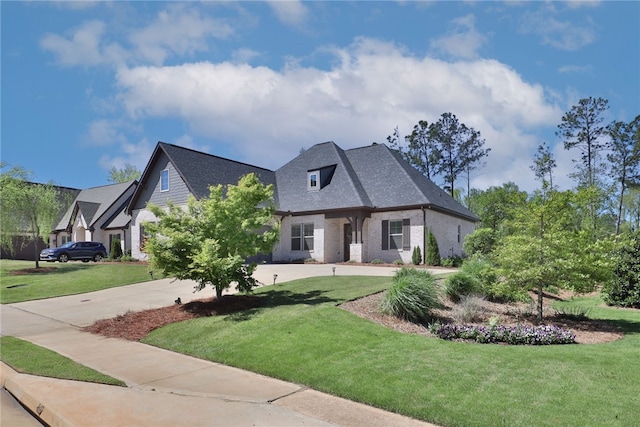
x=128 y=173
x=28 y=210
x=210 y=240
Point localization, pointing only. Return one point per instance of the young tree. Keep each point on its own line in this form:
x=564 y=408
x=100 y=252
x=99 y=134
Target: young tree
x=582 y=128
x=128 y=173
x=543 y=165
x=27 y=209
x=548 y=249
x=624 y=158
x=209 y=241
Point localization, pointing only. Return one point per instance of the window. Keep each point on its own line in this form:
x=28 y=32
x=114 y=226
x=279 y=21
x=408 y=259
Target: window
x=302 y=237
x=143 y=237
x=65 y=239
x=164 y=180
x=396 y=234
x=313 y=179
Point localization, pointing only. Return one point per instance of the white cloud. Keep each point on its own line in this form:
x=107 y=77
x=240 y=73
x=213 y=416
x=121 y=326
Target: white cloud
x=104 y=132
x=290 y=12
x=267 y=115
x=567 y=34
x=462 y=41
x=82 y=47
x=575 y=69
x=177 y=30
x=136 y=154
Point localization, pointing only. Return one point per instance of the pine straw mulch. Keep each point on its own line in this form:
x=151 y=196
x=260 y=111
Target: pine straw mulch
x=587 y=331
x=134 y=326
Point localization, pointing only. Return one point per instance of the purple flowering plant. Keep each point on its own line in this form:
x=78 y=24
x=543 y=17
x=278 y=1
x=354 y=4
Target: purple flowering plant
x=514 y=335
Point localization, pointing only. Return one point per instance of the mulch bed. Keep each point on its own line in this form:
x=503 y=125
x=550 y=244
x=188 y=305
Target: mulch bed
x=134 y=326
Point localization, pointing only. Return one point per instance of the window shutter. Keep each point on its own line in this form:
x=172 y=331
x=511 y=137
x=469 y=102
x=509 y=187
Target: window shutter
x=406 y=235
x=385 y=235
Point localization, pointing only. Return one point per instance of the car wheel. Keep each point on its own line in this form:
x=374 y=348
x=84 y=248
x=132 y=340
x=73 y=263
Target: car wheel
x=98 y=257
x=85 y=260
x=63 y=258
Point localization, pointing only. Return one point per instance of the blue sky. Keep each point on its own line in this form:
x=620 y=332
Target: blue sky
x=91 y=85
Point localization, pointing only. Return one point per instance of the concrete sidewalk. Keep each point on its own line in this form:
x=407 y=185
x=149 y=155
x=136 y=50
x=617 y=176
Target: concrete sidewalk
x=165 y=388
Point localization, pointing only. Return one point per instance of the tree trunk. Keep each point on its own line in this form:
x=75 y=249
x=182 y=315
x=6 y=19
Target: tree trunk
x=540 y=301
x=219 y=292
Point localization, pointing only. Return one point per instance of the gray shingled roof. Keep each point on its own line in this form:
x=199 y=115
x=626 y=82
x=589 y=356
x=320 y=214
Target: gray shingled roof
x=200 y=170
x=373 y=178
x=93 y=202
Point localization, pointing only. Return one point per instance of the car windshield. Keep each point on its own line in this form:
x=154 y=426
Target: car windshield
x=68 y=244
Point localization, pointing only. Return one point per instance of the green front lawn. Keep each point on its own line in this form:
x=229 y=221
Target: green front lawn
x=65 y=279
x=29 y=358
x=300 y=335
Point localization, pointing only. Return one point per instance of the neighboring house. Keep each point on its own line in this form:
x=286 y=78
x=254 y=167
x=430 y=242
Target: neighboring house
x=363 y=204
x=97 y=214
x=333 y=205
x=172 y=174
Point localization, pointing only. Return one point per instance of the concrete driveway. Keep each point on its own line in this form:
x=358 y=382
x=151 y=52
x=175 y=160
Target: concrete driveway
x=166 y=388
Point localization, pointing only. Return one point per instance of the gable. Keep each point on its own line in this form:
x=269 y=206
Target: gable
x=190 y=172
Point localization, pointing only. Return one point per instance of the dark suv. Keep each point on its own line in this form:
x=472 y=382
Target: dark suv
x=85 y=251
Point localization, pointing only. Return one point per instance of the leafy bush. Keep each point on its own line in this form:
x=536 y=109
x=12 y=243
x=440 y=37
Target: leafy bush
x=482 y=241
x=515 y=335
x=116 y=249
x=624 y=289
x=460 y=284
x=490 y=284
x=469 y=309
x=412 y=295
x=377 y=261
x=454 y=261
x=416 y=256
x=398 y=262
x=433 y=252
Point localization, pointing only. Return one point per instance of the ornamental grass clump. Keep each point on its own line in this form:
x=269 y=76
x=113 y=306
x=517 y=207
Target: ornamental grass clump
x=514 y=335
x=412 y=295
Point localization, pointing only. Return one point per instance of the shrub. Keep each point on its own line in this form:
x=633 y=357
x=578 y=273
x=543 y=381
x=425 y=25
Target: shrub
x=490 y=284
x=116 y=249
x=454 y=261
x=482 y=241
x=573 y=312
x=469 y=309
x=412 y=295
x=433 y=252
x=377 y=261
x=515 y=335
x=461 y=284
x=416 y=256
x=398 y=262
x=624 y=289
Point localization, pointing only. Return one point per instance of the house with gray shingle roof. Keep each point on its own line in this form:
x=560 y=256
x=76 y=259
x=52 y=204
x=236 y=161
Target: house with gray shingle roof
x=174 y=173
x=97 y=214
x=363 y=204
x=333 y=205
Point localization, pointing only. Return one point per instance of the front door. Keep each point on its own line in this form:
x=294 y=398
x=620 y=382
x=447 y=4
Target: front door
x=347 y=242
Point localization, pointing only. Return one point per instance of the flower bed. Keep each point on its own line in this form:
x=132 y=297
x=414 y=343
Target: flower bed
x=514 y=335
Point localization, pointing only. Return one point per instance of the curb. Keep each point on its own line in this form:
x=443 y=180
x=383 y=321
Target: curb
x=24 y=392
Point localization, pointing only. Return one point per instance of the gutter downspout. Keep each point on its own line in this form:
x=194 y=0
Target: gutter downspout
x=424 y=235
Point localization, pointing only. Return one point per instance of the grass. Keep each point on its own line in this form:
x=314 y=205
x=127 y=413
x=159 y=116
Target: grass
x=300 y=335
x=31 y=359
x=67 y=279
